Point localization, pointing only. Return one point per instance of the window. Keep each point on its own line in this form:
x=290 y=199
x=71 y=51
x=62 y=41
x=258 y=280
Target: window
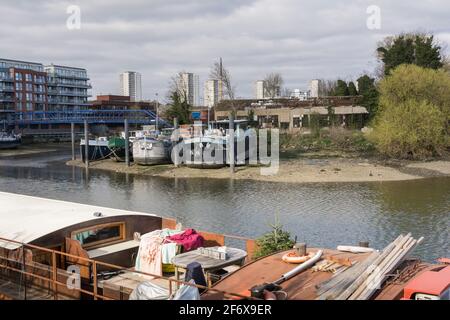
x=29 y=96
x=101 y=234
x=18 y=76
x=29 y=106
x=29 y=86
x=18 y=86
x=28 y=77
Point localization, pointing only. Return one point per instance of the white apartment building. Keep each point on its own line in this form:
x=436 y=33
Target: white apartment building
x=314 y=88
x=189 y=85
x=259 y=89
x=299 y=94
x=131 y=85
x=213 y=92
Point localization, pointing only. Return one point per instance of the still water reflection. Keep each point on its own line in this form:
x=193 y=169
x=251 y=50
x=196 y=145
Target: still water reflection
x=320 y=214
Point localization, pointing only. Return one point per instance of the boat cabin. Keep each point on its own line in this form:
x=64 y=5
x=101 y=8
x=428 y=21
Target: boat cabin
x=49 y=240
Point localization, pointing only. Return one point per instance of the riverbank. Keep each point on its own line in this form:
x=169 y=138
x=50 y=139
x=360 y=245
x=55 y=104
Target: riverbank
x=293 y=171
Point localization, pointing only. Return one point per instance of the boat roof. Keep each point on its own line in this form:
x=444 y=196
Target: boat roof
x=26 y=218
x=270 y=268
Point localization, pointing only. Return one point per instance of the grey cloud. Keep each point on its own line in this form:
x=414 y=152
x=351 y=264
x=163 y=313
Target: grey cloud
x=300 y=39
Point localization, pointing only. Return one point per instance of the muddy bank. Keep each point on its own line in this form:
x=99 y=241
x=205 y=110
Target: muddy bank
x=292 y=171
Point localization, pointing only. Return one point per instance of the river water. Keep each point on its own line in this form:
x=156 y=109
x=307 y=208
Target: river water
x=319 y=214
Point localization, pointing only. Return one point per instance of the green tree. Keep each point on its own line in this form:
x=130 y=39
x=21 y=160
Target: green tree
x=369 y=93
x=410 y=130
x=178 y=108
x=352 y=89
x=414 y=109
x=418 y=49
x=341 y=88
x=412 y=82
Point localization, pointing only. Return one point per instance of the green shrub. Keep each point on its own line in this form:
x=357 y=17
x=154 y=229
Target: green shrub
x=274 y=241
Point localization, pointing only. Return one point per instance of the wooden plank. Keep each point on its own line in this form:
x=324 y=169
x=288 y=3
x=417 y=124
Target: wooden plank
x=344 y=295
x=381 y=264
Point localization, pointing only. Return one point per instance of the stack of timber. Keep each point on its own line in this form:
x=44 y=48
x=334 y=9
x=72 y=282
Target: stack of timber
x=332 y=264
x=362 y=280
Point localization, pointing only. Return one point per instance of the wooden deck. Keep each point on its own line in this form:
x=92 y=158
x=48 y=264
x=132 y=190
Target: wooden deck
x=269 y=269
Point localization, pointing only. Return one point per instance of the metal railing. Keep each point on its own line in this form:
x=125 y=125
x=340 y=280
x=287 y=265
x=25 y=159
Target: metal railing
x=92 y=116
x=27 y=268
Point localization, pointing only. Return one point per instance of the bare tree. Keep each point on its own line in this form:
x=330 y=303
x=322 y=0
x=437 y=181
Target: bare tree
x=286 y=92
x=272 y=85
x=219 y=72
x=177 y=84
x=327 y=87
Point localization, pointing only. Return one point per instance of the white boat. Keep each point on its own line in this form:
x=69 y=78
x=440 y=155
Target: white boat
x=151 y=151
x=9 y=140
x=209 y=149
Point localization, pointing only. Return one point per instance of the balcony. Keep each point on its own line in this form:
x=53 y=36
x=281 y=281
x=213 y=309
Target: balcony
x=6 y=88
x=7 y=107
x=72 y=94
x=4 y=98
x=7 y=79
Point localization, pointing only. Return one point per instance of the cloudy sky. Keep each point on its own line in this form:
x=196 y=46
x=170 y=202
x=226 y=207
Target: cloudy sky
x=300 y=39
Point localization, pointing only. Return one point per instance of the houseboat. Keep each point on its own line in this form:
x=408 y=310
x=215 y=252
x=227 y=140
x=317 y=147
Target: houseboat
x=151 y=151
x=52 y=249
x=98 y=149
x=208 y=148
x=117 y=147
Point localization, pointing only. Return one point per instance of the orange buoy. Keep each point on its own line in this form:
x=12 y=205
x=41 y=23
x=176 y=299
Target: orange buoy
x=292 y=257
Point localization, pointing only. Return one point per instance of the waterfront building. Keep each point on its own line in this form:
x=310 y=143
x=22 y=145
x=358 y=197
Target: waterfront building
x=67 y=88
x=29 y=86
x=294 y=114
x=131 y=85
x=114 y=102
x=23 y=87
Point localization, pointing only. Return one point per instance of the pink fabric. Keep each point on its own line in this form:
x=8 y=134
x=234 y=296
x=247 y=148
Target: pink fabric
x=189 y=239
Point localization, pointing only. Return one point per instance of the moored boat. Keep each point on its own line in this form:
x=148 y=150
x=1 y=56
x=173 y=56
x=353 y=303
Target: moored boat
x=117 y=147
x=9 y=140
x=85 y=252
x=151 y=151
x=98 y=149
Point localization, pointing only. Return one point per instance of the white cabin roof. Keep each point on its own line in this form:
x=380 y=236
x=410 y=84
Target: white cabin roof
x=26 y=218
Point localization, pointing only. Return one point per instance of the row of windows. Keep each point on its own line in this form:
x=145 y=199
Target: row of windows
x=29 y=96
x=68 y=73
x=68 y=81
x=29 y=77
x=18 y=65
x=29 y=87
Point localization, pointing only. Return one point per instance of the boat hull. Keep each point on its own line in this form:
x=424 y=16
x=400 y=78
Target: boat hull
x=150 y=152
x=96 y=151
x=14 y=144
